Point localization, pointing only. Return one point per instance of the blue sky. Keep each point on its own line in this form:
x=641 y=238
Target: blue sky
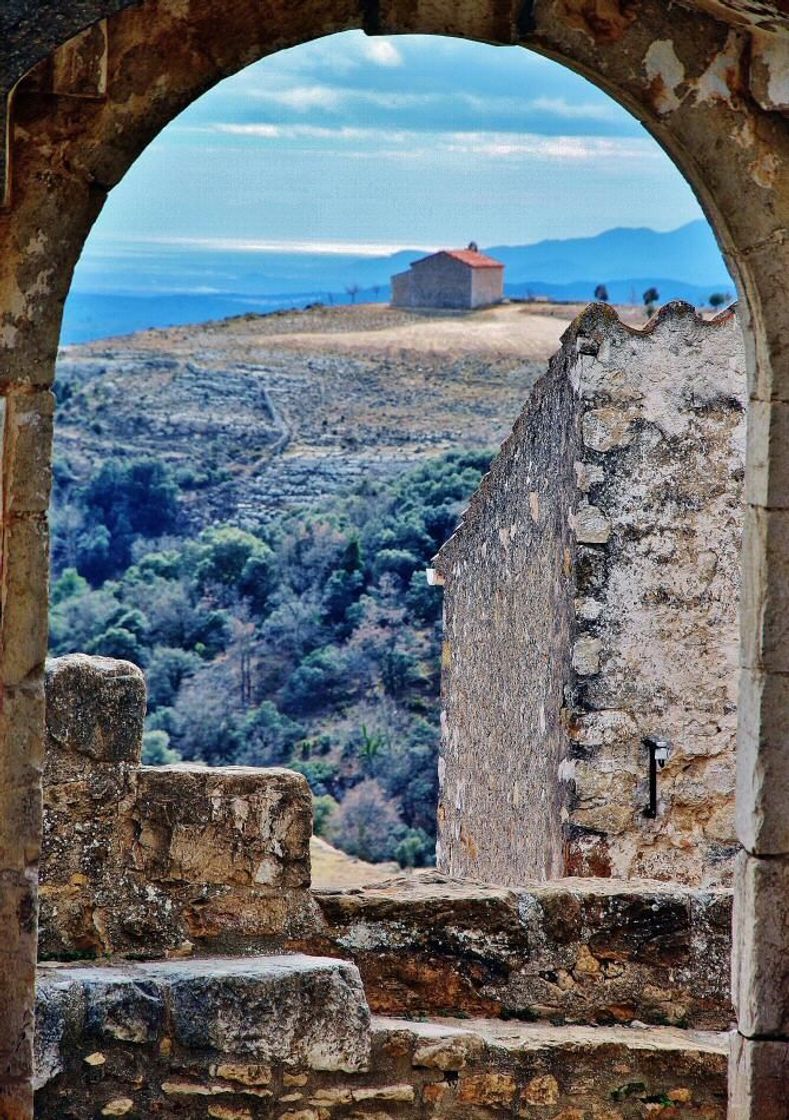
x=376 y=144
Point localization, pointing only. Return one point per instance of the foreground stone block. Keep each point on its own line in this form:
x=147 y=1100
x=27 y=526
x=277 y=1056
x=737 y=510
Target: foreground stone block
x=215 y=1026
x=573 y=951
x=154 y=859
x=760 y=967
x=758 y=1079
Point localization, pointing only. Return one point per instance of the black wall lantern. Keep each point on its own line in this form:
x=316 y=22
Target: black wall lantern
x=659 y=749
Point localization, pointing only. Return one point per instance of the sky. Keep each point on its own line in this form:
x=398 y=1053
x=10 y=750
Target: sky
x=374 y=144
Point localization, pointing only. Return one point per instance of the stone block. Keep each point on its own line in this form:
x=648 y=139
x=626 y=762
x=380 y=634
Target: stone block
x=760 y=967
x=21 y=732
x=767 y=454
x=300 y=1010
x=229 y=826
x=124 y=1009
x=25 y=621
x=60 y=1015
x=572 y=951
x=295 y=1010
x=95 y=708
x=758 y=1079
x=27 y=451
x=764 y=606
x=763 y=763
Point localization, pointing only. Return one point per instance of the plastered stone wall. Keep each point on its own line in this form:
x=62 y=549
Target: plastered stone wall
x=156 y=859
x=614 y=566
x=438 y=281
x=487 y=286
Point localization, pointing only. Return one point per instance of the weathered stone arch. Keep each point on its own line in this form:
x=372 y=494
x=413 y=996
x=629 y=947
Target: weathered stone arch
x=707 y=79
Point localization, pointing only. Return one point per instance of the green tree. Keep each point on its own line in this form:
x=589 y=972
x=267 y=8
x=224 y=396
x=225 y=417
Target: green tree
x=156 y=749
x=717 y=299
x=651 y=296
x=167 y=669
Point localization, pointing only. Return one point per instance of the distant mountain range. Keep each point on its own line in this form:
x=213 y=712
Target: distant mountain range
x=117 y=293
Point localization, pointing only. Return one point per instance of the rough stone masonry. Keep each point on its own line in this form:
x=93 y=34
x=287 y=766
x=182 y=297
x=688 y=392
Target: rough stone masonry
x=591 y=601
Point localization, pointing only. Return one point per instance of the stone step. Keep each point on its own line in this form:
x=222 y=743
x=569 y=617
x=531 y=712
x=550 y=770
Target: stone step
x=465 y=1068
x=293 y=1010
x=595 y=951
x=291 y=1038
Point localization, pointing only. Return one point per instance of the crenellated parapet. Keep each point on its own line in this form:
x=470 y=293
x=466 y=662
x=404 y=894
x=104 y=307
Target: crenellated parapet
x=156 y=859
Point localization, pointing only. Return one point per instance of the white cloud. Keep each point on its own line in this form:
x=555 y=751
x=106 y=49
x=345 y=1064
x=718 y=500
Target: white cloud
x=382 y=52
x=578 y=111
x=246 y=245
x=302 y=98
x=404 y=144
x=267 y=131
x=560 y=149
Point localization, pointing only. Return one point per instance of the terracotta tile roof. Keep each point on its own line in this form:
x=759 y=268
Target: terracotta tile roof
x=471 y=257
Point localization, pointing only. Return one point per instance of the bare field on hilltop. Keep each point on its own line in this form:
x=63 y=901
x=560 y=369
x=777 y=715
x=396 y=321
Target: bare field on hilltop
x=269 y=412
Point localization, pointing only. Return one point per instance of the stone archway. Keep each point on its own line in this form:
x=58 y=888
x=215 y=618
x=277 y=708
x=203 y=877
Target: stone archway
x=708 y=80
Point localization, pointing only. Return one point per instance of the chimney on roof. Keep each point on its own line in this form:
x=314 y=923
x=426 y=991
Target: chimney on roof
x=473 y=246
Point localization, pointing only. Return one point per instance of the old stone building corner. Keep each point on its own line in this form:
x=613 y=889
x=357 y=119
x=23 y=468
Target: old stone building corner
x=591 y=603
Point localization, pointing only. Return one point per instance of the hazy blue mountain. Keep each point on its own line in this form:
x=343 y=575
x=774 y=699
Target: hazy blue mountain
x=122 y=289
x=689 y=254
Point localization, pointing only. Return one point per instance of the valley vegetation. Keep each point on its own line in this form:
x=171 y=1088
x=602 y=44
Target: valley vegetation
x=311 y=642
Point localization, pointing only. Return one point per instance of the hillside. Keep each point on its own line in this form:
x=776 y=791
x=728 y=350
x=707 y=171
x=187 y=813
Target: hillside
x=261 y=413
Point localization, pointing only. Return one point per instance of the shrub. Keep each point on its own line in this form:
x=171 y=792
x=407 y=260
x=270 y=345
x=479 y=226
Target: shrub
x=324 y=808
x=156 y=749
x=367 y=824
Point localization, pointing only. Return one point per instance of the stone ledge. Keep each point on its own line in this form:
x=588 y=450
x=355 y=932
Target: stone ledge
x=297 y=1010
x=592 y=951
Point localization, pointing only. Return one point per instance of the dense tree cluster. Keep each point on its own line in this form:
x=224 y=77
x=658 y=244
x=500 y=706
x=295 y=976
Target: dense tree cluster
x=311 y=643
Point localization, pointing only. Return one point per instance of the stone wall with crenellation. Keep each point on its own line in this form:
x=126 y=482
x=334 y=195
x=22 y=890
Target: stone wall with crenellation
x=158 y=858
x=591 y=601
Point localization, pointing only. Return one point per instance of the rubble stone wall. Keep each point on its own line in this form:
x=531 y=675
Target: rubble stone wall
x=575 y=951
x=637 y=523
x=508 y=614
x=151 y=859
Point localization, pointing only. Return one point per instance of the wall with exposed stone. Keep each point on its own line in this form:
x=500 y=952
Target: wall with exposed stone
x=637 y=525
x=293 y=1038
x=508 y=616
x=158 y=858
x=422 y=997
